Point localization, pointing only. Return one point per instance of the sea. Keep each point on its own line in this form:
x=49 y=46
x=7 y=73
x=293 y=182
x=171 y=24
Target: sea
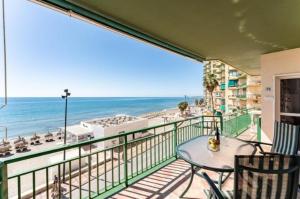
x=28 y=115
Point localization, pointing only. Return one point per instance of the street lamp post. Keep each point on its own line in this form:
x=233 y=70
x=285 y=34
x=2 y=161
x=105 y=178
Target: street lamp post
x=65 y=96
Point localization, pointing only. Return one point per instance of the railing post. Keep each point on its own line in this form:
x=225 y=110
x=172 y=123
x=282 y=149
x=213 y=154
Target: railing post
x=3 y=181
x=125 y=160
x=258 y=125
x=175 y=139
x=221 y=123
x=202 y=123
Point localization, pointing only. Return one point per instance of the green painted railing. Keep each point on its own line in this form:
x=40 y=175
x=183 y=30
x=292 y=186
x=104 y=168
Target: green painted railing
x=232 y=83
x=258 y=125
x=100 y=167
x=234 y=126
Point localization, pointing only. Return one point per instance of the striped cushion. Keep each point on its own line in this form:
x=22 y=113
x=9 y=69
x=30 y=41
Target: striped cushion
x=260 y=185
x=286 y=138
x=227 y=194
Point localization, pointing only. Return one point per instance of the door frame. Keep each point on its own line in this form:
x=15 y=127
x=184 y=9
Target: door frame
x=276 y=101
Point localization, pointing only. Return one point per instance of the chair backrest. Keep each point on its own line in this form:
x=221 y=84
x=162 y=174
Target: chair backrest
x=286 y=138
x=266 y=177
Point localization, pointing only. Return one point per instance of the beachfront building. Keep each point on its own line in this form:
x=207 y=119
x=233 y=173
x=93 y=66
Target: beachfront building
x=236 y=91
x=110 y=126
x=104 y=127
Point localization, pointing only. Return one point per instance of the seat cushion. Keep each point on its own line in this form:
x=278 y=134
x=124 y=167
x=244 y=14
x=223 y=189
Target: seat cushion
x=228 y=194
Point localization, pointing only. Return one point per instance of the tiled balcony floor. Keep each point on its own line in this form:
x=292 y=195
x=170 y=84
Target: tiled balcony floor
x=169 y=182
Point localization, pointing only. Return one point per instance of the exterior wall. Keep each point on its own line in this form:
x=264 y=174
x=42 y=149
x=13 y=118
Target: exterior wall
x=100 y=131
x=274 y=65
x=235 y=95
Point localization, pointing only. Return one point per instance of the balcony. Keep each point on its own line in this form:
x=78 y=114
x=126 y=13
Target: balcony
x=222 y=108
x=223 y=86
x=232 y=83
x=242 y=96
x=242 y=75
x=217 y=71
x=232 y=96
x=105 y=171
x=242 y=85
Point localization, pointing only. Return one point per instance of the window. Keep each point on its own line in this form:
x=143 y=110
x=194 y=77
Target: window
x=290 y=100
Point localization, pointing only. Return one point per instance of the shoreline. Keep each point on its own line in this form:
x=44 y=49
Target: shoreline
x=28 y=135
x=153 y=118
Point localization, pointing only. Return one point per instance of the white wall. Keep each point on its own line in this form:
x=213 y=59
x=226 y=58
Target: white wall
x=274 y=65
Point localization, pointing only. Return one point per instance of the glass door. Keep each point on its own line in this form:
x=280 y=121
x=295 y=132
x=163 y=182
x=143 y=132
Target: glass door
x=290 y=100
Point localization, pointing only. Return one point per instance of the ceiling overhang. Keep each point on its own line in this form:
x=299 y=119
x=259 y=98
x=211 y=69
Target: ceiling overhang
x=236 y=32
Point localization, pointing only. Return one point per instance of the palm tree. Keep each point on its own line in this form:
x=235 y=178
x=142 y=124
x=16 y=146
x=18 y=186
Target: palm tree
x=196 y=102
x=182 y=106
x=210 y=83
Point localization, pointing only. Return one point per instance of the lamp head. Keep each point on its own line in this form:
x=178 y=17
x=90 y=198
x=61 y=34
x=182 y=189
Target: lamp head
x=63 y=96
x=66 y=90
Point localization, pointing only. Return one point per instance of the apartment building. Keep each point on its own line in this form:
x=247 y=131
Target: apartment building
x=236 y=91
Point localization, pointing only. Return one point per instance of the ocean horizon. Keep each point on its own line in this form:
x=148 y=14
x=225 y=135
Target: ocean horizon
x=28 y=115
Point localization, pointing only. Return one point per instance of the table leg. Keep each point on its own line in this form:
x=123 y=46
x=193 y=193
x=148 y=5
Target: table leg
x=193 y=171
x=220 y=180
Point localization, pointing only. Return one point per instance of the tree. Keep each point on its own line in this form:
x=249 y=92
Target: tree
x=210 y=83
x=201 y=101
x=182 y=106
x=196 y=102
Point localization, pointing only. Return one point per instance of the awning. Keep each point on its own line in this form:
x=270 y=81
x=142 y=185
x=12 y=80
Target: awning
x=236 y=32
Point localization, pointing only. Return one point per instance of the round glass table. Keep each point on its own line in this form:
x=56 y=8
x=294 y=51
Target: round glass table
x=196 y=153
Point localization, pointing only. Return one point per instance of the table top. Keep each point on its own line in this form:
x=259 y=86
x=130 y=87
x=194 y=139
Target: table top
x=196 y=152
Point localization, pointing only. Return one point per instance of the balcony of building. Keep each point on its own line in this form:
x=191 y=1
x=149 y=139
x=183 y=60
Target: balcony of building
x=147 y=167
x=133 y=161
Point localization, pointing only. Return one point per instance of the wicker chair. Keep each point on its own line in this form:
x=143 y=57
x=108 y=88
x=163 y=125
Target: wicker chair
x=285 y=141
x=262 y=177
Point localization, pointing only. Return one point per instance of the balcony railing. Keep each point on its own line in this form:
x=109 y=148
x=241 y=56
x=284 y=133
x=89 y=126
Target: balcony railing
x=242 y=96
x=100 y=171
x=223 y=86
x=242 y=85
x=234 y=126
x=232 y=83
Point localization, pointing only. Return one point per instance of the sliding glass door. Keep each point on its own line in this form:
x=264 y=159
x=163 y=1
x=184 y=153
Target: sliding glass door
x=290 y=100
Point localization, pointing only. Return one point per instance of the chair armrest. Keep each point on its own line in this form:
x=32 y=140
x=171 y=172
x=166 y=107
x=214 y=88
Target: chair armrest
x=270 y=153
x=258 y=144
x=216 y=192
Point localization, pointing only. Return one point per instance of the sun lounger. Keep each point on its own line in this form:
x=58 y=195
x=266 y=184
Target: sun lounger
x=21 y=144
x=49 y=137
x=35 y=139
x=59 y=135
x=5 y=148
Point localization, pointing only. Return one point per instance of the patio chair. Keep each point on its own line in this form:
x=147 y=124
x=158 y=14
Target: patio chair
x=285 y=140
x=261 y=177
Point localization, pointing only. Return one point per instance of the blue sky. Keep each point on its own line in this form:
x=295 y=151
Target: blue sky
x=49 y=51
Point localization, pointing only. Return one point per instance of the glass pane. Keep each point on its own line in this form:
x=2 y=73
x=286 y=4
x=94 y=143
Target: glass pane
x=290 y=96
x=290 y=119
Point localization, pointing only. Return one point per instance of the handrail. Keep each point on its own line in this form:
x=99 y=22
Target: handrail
x=135 y=159
x=71 y=146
